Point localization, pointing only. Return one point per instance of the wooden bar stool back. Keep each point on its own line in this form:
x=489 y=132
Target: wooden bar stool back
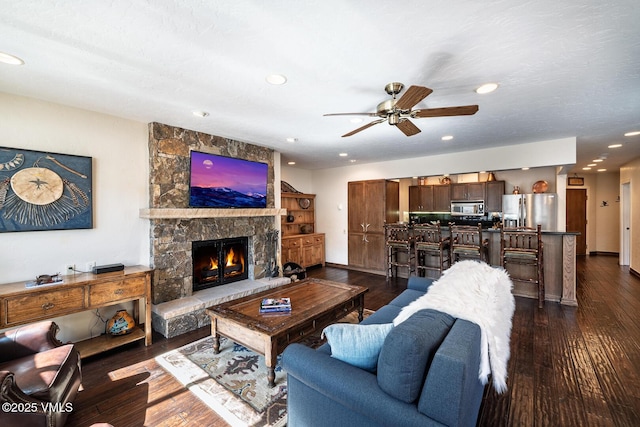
x=523 y=246
x=431 y=249
x=466 y=242
x=399 y=245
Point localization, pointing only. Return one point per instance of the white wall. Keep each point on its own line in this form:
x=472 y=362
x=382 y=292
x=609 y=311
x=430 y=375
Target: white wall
x=630 y=173
x=120 y=188
x=330 y=185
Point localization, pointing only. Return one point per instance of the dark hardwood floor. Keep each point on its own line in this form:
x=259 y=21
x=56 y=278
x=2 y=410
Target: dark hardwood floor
x=569 y=366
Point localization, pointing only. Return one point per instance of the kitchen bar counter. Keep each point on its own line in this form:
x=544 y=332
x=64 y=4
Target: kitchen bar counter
x=559 y=265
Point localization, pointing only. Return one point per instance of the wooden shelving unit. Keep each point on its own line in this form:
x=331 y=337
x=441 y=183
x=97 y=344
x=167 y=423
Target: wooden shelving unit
x=300 y=243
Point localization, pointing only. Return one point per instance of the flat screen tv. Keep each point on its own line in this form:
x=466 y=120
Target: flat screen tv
x=225 y=182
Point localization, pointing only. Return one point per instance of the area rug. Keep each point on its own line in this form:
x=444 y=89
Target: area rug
x=233 y=382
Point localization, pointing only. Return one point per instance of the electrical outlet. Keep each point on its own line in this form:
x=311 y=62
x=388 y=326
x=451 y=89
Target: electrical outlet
x=90 y=266
x=71 y=269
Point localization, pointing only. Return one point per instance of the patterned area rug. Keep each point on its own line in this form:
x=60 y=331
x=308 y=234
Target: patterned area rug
x=234 y=382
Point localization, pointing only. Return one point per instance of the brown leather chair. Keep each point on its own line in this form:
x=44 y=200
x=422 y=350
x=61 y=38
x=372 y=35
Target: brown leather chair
x=39 y=376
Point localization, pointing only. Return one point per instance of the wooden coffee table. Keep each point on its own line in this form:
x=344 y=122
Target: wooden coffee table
x=315 y=303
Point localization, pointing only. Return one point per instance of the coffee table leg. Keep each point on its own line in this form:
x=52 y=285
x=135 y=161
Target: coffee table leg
x=361 y=309
x=215 y=335
x=271 y=358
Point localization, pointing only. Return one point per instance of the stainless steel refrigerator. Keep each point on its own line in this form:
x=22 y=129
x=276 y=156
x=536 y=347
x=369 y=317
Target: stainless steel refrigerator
x=529 y=210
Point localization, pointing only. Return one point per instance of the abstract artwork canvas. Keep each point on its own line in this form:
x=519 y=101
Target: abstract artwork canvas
x=44 y=191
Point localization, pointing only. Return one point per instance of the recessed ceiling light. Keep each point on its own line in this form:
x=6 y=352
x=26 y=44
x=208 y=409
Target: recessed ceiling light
x=487 y=88
x=343 y=154
x=615 y=145
x=276 y=79
x=525 y=169
x=586 y=169
x=352 y=160
x=5 y=58
x=291 y=139
x=201 y=114
x=291 y=163
x=634 y=133
x=591 y=164
x=447 y=137
x=602 y=170
x=597 y=160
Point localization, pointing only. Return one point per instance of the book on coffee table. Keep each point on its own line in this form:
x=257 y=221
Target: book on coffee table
x=275 y=305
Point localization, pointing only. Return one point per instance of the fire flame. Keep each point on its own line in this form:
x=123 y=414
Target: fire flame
x=214 y=264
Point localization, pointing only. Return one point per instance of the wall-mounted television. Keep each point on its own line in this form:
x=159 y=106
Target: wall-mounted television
x=226 y=182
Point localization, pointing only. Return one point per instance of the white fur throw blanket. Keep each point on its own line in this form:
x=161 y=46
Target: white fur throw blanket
x=481 y=294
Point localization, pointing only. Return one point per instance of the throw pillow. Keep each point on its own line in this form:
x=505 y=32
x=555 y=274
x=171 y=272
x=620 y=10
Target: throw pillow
x=357 y=345
x=408 y=351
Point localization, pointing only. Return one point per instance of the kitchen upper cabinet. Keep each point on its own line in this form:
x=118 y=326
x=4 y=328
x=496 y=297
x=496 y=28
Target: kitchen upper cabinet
x=468 y=191
x=371 y=204
x=441 y=198
x=495 y=191
x=421 y=198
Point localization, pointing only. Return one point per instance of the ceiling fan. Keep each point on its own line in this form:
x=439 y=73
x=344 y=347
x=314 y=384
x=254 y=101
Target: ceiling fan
x=398 y=111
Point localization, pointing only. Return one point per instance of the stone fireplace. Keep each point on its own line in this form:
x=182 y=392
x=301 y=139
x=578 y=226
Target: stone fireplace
x=174 y=228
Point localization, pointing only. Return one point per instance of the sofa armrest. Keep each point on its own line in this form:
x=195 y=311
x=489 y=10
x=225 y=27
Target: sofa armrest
x=360 y=393
x=452 y=393
x=28 y=339
x=419 y=283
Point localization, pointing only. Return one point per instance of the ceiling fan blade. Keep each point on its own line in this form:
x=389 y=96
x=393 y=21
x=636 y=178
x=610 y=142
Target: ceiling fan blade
x=368 y=125
x=407 y=127
x=412 y=96
x=352 y=114
x=465 y=110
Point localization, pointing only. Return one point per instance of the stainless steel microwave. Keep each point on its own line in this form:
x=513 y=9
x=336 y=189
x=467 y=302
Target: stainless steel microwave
x=467 y=208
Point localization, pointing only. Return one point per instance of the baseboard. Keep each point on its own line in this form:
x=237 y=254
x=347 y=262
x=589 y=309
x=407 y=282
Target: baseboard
x=634 y=273
x=349 y=267
x=604 y=253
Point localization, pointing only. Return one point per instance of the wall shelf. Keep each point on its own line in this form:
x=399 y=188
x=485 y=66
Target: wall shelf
x=179 y=213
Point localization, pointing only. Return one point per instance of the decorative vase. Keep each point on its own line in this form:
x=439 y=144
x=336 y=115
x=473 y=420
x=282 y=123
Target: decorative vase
x=516 y=190
x=120 y=324
x=290 y=218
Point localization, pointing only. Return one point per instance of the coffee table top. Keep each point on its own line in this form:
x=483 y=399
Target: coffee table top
x=309 y=298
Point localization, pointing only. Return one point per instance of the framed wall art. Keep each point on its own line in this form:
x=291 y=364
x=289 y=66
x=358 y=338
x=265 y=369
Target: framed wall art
x=44 y=191
x=575 y=181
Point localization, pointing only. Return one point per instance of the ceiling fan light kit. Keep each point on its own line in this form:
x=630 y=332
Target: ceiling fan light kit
x=397 y=112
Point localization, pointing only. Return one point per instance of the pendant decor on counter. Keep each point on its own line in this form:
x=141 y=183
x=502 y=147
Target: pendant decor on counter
x=120 y=324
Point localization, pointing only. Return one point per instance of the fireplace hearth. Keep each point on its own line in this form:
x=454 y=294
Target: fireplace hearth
x=218 y=262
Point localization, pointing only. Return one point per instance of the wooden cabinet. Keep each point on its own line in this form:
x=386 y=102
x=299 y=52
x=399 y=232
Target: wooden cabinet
x=468 y=191
x=429 y=198
x=495 y=191
x=371 y=204
x=300 y=244
x=421 y=198
x=441 y=198
x=20 y=305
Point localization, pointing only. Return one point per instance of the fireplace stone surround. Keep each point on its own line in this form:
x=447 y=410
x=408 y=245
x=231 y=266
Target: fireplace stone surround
x=176 y=309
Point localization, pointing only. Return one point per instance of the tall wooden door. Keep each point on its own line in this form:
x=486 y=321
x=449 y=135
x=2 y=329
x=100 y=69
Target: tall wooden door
x=577 y=217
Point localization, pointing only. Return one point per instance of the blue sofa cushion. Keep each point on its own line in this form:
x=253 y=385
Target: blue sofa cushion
x=407 y=353
x=357 y=345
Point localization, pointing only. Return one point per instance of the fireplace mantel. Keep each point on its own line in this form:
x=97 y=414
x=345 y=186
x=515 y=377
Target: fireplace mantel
x=191 y=213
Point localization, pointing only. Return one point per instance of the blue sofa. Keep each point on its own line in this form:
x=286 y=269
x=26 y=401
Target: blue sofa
x=427 y=374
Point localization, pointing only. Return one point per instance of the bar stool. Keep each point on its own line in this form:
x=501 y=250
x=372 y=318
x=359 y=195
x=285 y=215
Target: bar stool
x=523 y=246
x=429 y=245
x=399 y=244
x=466 y=242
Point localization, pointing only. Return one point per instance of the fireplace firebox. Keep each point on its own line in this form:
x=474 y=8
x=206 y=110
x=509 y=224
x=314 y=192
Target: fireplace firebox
x=218 y=262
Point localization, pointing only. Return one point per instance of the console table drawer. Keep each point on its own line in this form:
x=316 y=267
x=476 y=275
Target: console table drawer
x=43 y=305
x=105 y=293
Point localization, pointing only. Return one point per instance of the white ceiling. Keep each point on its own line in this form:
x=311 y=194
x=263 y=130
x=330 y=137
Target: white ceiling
x=565 y=68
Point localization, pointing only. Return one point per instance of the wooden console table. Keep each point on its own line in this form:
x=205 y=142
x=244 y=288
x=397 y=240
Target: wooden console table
x=20 y=305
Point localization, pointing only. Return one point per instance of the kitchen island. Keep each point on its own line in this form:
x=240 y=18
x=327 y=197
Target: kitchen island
x=559 y=265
